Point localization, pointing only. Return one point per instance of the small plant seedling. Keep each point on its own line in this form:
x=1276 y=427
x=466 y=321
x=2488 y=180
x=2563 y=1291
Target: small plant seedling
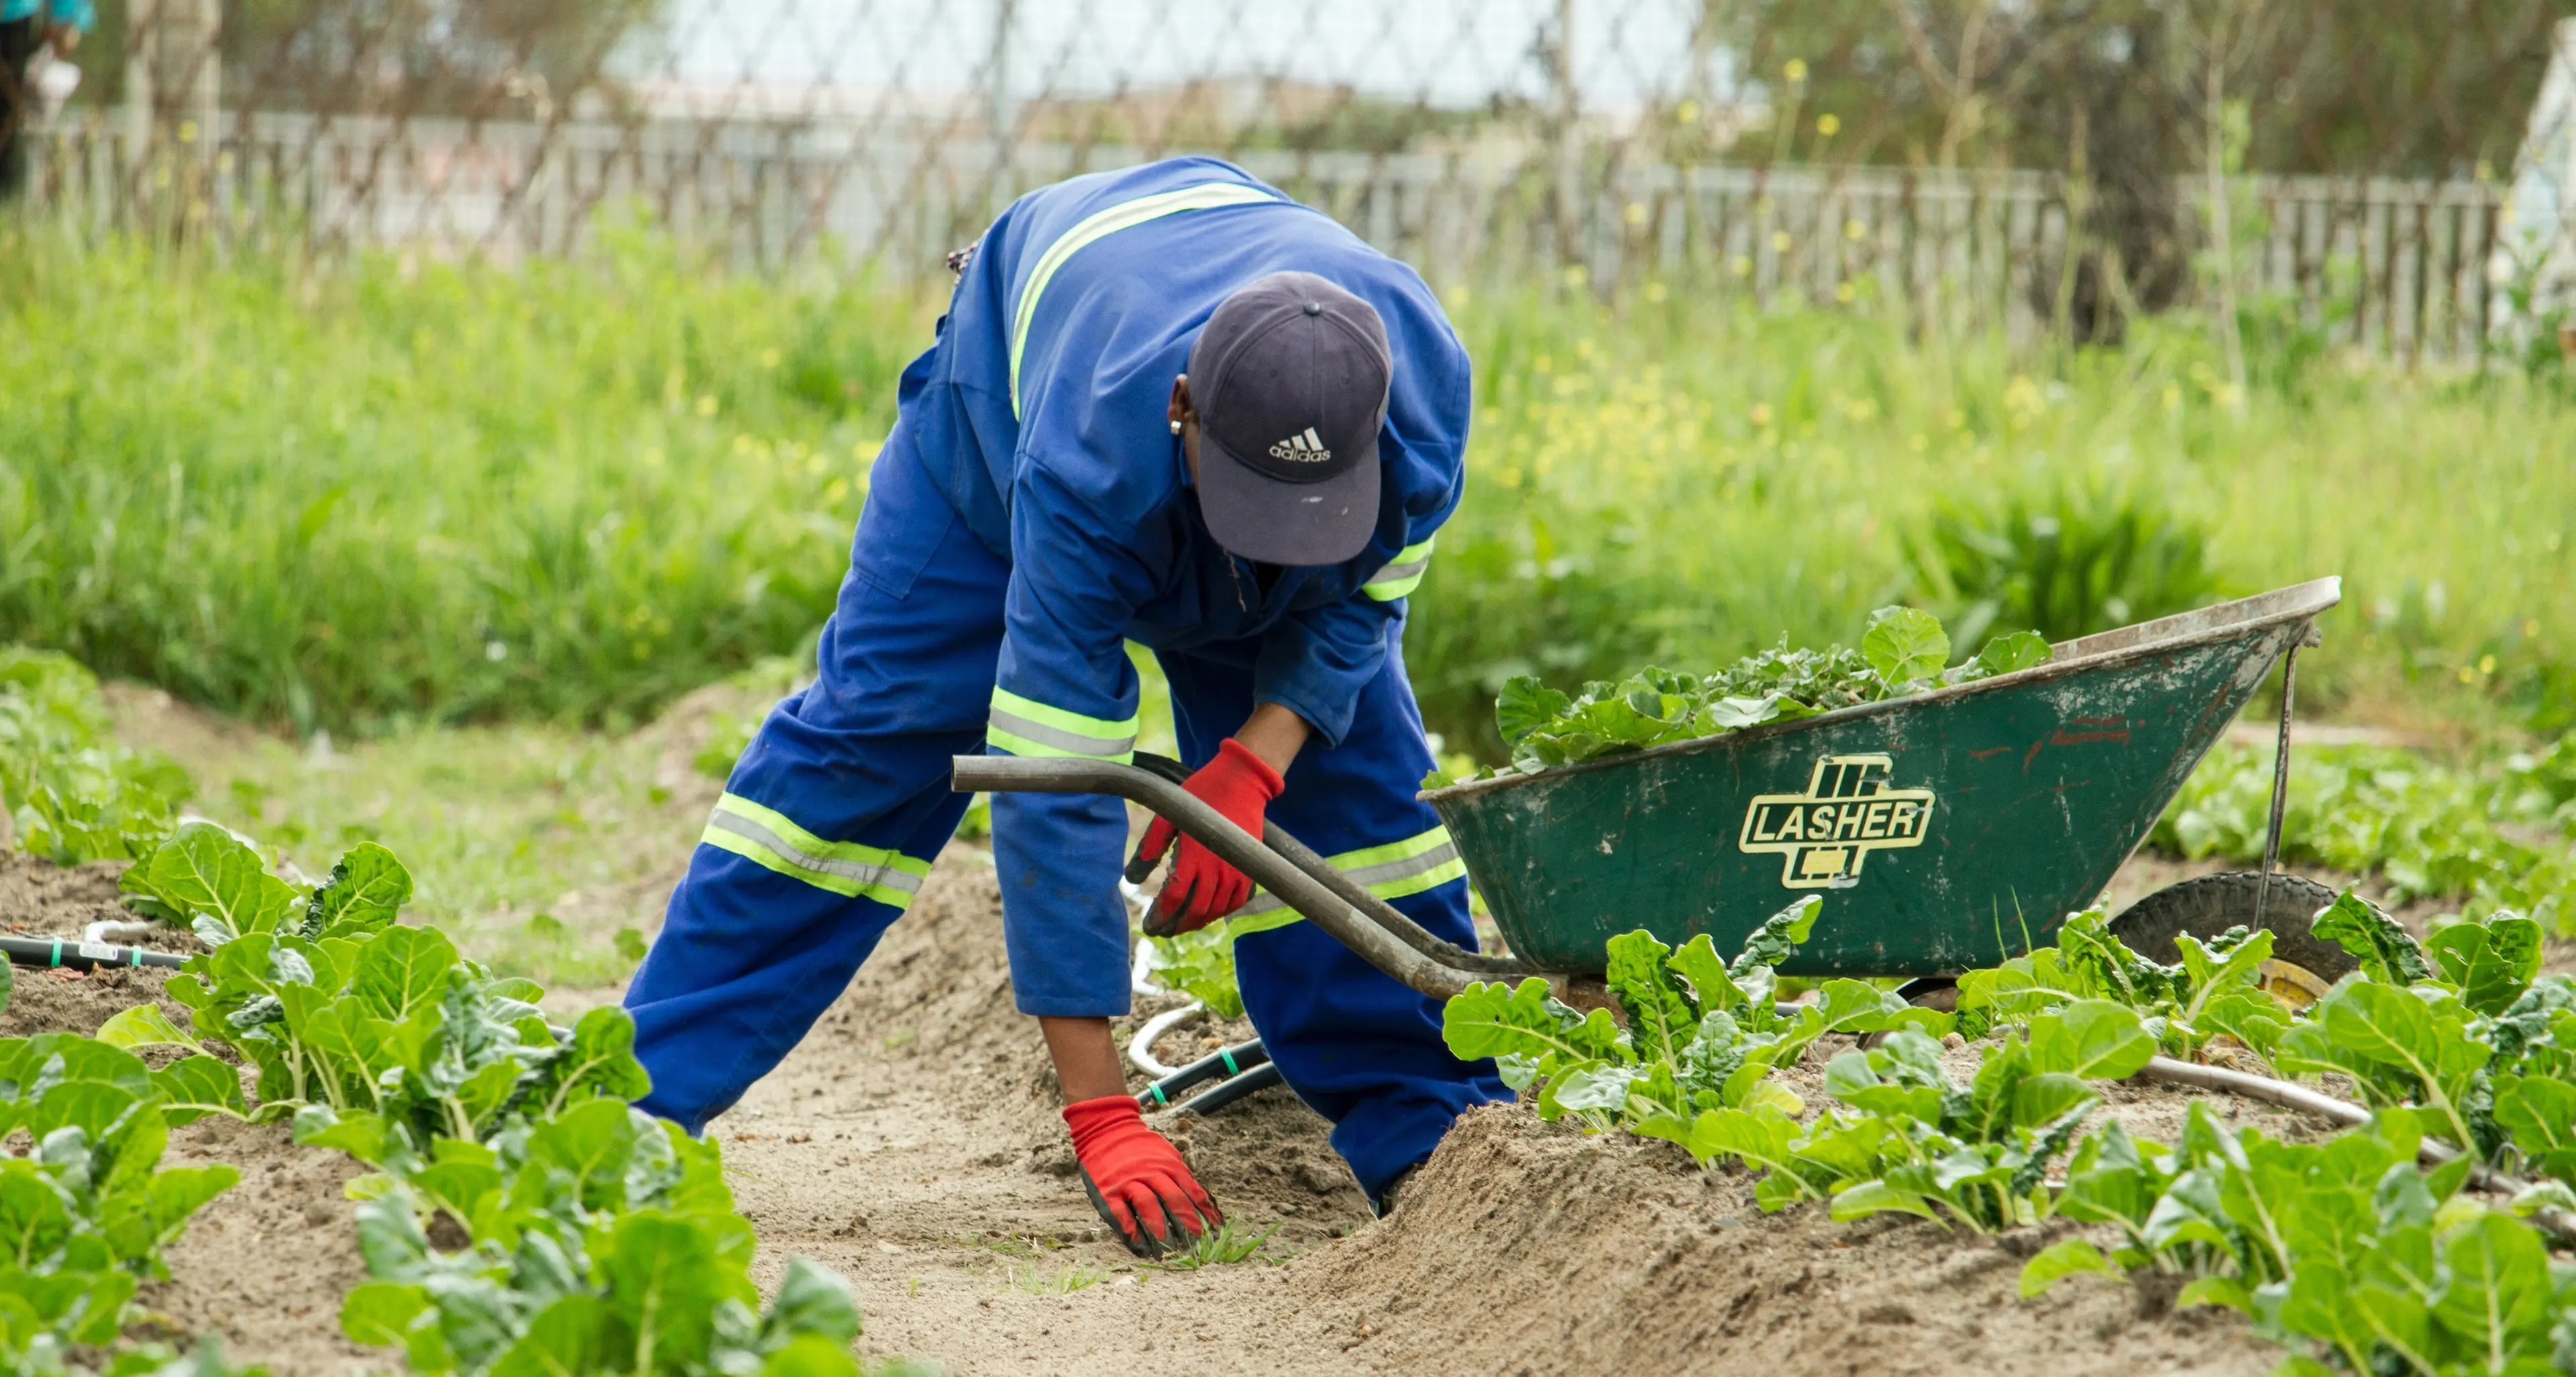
x=1221 y=1246
x=1023 y=1247
x=1062 y=1282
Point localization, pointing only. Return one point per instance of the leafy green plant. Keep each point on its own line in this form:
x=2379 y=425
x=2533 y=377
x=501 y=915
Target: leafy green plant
x=383 y=1029
x=2496 y=835
x=1903 y=651
x=48 y=1359
x=2423 y=1032
x=85 y=1213
x=601 y=1240
x=73 y=791
x=2340 y=1249
x=2215 y=989
x=1702 y=1033
x=1977 y=1155
x=1200 y=964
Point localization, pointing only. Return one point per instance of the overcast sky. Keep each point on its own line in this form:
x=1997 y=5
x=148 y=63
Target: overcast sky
x=1451 y=52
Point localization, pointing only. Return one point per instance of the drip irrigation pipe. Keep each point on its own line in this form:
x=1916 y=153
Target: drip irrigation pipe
x=109 y=928
x=1140 y=1049
x=1226 y=1092
x=77 y=955
x=2560 y=1222
x=1237 y=1061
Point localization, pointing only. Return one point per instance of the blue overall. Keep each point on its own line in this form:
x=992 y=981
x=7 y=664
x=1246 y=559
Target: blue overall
x=1029 y=516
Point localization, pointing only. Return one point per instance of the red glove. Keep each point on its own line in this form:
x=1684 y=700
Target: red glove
x=1137 y=1182
x=1202 y=888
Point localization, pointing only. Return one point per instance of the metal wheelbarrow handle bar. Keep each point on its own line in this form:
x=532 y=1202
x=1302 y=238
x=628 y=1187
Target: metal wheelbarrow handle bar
x=1375 y=931
x=1305 y=858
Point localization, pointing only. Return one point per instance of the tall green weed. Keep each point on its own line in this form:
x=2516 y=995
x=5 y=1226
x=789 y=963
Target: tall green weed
x=408 y=488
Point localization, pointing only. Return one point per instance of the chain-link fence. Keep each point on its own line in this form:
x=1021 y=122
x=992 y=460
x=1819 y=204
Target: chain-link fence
x=2049 y=166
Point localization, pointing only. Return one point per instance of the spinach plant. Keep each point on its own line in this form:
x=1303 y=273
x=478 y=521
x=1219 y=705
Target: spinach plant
x=600 y=1240
x=2341 y=1250
x=85 y=1213
x=73 y=791
x=2215 y=989
x=1977 y=1155
x=1702 y=1033
x=341 y=1006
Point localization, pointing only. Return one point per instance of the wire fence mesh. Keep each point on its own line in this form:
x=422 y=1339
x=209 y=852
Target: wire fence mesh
x=1608 y=144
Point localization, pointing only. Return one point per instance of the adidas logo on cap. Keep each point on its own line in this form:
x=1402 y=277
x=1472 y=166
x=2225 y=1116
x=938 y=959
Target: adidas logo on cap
x=1307 y=448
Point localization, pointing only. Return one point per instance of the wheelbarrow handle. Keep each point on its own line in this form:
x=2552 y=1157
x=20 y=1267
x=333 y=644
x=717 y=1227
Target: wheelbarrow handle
x=1397 y=948
x=1350 y=891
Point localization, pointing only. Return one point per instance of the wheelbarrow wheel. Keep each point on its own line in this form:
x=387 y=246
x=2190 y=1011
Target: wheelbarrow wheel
x=2303 y=966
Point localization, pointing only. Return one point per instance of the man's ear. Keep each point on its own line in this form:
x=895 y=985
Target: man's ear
x=1181 y=412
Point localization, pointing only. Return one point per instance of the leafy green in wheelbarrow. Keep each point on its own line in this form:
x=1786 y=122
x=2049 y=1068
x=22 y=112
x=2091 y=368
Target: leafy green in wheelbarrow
x=1902 y=651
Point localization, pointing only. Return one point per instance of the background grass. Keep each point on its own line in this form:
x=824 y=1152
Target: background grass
x=400 y=490
x=390 y=493
x=1678 y=483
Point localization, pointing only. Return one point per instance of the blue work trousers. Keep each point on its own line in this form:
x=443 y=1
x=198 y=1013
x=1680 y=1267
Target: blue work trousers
x=847 y=780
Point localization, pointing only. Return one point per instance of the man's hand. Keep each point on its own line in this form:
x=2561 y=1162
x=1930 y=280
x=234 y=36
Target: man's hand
x=1137 y=1181
x=1202 y=888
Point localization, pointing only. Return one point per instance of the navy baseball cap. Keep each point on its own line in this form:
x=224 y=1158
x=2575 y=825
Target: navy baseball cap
x=1289 y=380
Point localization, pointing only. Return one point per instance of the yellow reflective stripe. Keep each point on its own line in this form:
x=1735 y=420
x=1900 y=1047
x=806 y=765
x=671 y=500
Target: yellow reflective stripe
x=1100 y=225
x=1391 y=871
x=1026 y=727
x=772 y=840
x=1402 y=574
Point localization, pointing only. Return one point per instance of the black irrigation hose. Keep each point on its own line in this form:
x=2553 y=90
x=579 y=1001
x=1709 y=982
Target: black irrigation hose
x=2558 y=1222
x=1261 y=1077
x=82 y=956
x=1225 y=1061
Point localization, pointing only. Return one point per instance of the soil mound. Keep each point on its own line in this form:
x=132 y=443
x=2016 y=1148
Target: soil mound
x=1528 y=1248
x=41 y=898
x=265 y=1264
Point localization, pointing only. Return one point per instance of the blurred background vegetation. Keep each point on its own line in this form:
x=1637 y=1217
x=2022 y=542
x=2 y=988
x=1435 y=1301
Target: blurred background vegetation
x=440 y=391
x=369 y=495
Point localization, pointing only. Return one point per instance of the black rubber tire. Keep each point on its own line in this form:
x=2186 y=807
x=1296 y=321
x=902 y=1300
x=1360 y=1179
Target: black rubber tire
x=2212 y=904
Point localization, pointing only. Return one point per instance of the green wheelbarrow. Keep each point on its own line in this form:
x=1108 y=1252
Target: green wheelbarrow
x=1945 y=831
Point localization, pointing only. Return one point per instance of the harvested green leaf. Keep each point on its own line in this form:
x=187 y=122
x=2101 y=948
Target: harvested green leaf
x=2013 y=651
x=1902 y=651
x=1905 y=644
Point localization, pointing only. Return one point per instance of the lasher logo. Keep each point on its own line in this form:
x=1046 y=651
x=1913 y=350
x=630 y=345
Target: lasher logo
x=1307 y=448
x=1847 y=812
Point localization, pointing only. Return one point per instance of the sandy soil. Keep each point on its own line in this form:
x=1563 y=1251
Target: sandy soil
x=267 y=1262
x=912 y=1144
